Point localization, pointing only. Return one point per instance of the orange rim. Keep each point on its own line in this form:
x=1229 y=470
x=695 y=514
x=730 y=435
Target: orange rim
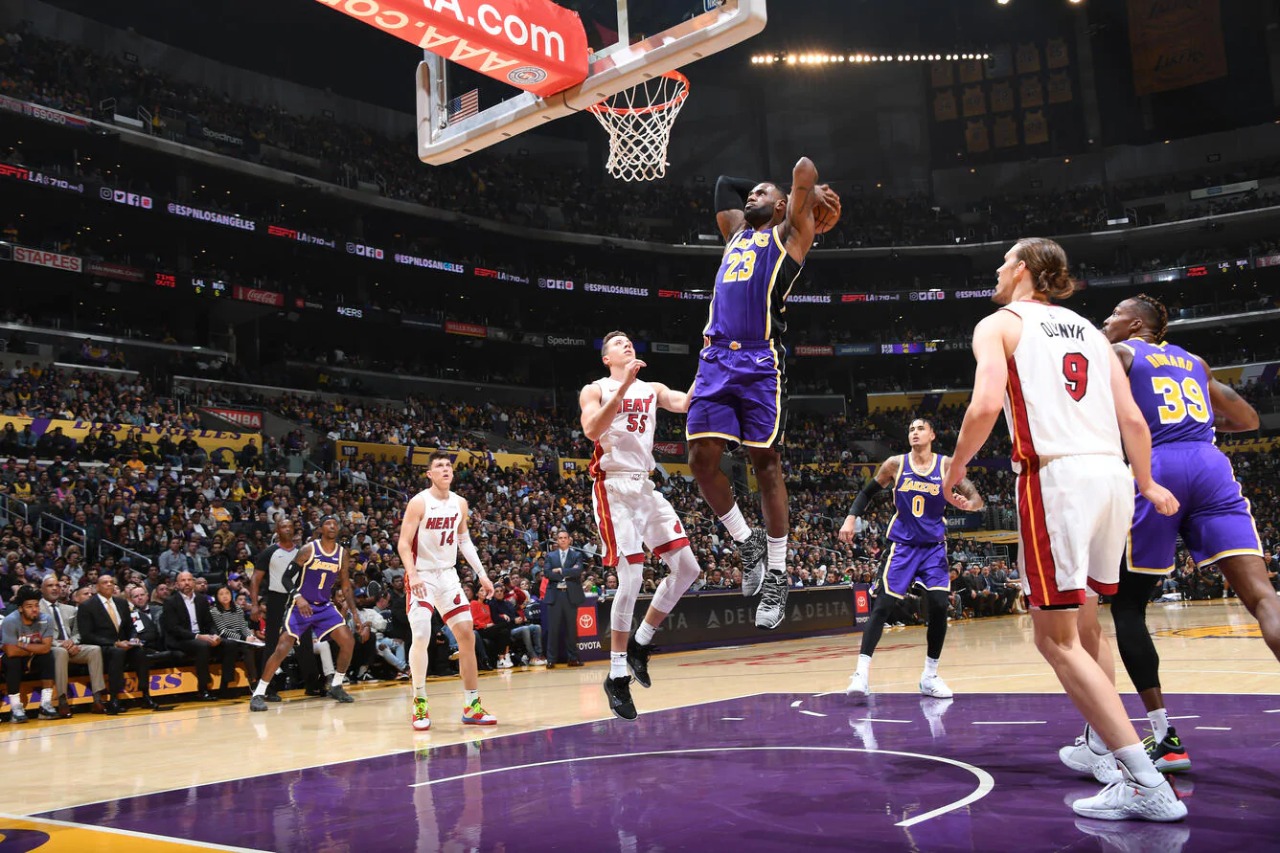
x=603 y=107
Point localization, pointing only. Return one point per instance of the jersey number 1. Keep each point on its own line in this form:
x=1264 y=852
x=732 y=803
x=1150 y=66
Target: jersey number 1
x=1075 y=367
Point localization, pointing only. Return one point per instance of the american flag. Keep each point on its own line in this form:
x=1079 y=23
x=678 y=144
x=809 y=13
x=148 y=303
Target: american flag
x=463 y=106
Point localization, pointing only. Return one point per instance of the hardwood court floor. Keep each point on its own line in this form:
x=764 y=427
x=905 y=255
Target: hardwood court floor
x=1205 y=647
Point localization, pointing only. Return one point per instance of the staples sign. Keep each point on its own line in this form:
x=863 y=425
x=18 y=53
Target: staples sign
x=70 y=263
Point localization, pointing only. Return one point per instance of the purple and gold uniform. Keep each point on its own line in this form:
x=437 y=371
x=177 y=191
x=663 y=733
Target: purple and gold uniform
x=315 y=584
x=738 y=394
x=1171 y=387
x=917 y=532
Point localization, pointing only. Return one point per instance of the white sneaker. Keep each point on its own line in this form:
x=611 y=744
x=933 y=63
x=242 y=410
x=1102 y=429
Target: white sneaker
x=773 y=601
x=1081 y=758
x=504 y=663
x=1131 y=800
x=859 y=687
x=933 y=685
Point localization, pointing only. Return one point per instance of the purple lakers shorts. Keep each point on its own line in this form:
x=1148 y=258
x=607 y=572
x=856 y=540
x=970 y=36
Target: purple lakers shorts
x=323 y=619
x=907 y=564
x=1213 y=517
x=738 y=394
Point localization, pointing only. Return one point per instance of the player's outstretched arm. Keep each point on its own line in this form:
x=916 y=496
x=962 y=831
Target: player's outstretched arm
x=887 y=473
x=798 y=229
x=404 y=546
x=1231 y=412
x=670 y=399
x=973 y=501
x=731 y=198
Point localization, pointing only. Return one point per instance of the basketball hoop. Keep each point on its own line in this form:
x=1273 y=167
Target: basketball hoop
x=639 y=121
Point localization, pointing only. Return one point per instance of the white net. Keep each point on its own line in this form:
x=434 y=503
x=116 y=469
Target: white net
x=639 y=122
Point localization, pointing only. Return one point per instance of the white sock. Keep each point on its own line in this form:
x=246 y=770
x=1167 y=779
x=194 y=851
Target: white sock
x=1096 y=743
x=46 y=696
x=420 y=692
x=617 y=664
x=644 y=634
x=470 y=697
x=736 y=524
x=1135 y=759
x=1159 y=723
x=15 y=701
x=777 y=564
x=337 y=678
x=261 y=689
x=864 y=665
x=930 y=667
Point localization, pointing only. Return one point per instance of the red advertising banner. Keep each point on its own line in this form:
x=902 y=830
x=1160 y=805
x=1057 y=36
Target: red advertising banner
x=587 y=620
x=669 y=448
x=469 y=329
x=116 y=271
x=262 y=297
x=534 y=45
x=239 y=417
x=70 y=263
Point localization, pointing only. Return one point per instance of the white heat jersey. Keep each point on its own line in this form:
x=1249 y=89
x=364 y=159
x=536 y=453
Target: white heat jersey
x=627 y=445
x=1058 y=401
x=437 y=538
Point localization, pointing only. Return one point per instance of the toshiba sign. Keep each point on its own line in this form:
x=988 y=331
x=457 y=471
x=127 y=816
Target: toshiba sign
x=534 y=45
x=70 y=263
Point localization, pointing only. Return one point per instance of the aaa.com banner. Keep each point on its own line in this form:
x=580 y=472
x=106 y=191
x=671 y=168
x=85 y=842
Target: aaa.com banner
x=534 y=45
x=1175 y=44
x=211 y=441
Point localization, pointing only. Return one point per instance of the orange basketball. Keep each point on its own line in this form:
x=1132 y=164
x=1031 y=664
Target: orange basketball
x=824 y=219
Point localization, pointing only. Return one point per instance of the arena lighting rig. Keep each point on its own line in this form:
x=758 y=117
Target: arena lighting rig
x=787 y=58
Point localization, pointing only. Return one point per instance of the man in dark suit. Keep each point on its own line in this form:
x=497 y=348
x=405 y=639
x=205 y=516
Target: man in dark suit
x=103 y=620
x=564 y=595
x=187 y=624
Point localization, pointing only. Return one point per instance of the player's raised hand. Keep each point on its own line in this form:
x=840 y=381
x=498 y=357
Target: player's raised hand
x=631 y=371
x=486 y=585
x=829 y=199
x=1161 y=498
x=847 y=530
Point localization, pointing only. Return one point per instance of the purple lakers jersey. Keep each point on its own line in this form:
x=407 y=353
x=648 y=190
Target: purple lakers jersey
x=1172 y=389
x=320 y=574
x=745 y=306
x=918 y=504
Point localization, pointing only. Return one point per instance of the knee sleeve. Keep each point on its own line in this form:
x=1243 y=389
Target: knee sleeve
x=939 y=601
x=1129 y=613
x=684 y=571
x=880 y=610
x=624 y=601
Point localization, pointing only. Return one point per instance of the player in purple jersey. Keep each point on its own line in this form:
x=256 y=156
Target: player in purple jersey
x=323 y=565
x=1183 y=405
x=918 y=551
x=738 y=396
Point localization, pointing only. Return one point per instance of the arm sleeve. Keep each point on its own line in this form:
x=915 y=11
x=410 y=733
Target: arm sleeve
x=731 y=193
x=467 y=549
x=869 y=491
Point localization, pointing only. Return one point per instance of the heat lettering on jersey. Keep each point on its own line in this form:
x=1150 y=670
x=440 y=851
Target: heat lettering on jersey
x=440 y=522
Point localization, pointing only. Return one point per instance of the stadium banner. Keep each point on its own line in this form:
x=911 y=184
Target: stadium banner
x=810 y=350
x=861 y=605
x=674 y=349
x=115 y=271
x=1267 y=261
x=669 y=448
x=43 y=113
x=534 y=45
x=570 y=468
x=592 y=635
x=211 y=441
x=351 y=450
x=471 y=330
x=469 y=458
x=1175 y=45
x=916 y=401
x=726 y=618
x=53 y=260
x=261 y=297
x=239 y=417
x=168 y=681
x=1224 y=189
x=856 y=349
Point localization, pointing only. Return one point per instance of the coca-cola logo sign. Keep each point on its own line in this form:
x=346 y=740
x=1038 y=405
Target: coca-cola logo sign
x=262 y=297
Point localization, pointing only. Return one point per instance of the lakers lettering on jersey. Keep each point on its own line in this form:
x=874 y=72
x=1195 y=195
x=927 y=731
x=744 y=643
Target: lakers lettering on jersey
x=1058 y=400
x=627 y=445
x=436 y=542
x=744 y=306
x=1171 y=387
x=918 y=503
x=320 y=573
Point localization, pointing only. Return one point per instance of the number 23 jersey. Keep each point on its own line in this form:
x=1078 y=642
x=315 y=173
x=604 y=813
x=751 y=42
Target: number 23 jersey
x=1058 y=399
x=627 y=445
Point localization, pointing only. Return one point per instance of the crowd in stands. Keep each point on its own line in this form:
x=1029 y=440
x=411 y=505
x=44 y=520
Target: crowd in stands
x=70 y=78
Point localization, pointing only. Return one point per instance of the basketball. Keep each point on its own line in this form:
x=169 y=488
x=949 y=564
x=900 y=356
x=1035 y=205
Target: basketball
x=826 y=211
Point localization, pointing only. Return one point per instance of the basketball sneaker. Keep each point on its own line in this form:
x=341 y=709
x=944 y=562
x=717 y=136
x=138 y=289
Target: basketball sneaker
x=1169 y=755
x=339 y=694
x=638 y=661
x=258 y=703
x=1143 y=838
x=933 y=685
x=1128 y=799
x=1081 y=758
x=421 y=717
x=859 y=686
x=753 y=551
x=619 y=692
x=773 y=602
x=474 y=715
